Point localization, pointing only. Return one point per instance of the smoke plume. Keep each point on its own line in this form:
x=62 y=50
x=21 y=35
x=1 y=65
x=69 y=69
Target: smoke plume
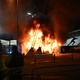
x=12 y=14
x=63 y=13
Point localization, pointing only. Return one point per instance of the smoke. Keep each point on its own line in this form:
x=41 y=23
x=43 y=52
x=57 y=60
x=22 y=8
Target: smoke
x=10 y=12
x=63 y=13
x=10 y=24
x=7 y=16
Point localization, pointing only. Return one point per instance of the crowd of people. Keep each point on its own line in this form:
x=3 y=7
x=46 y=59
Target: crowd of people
x=14 y=63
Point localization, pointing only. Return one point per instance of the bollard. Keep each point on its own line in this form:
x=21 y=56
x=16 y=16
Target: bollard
x=54 y=57
x=35 y=60
x=72 y=57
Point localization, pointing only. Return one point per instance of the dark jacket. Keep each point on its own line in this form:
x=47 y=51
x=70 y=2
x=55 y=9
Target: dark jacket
x=16 y=59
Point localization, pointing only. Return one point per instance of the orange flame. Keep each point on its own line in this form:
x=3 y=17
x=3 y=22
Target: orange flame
x=34 y=39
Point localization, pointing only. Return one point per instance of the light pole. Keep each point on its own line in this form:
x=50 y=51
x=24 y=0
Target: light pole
x=17 y=24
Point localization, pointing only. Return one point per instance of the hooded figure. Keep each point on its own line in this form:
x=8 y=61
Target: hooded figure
x=15 y=61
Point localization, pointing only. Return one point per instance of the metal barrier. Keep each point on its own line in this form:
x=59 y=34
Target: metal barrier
x=16 y=72
x=53 y=69
x=38 y=72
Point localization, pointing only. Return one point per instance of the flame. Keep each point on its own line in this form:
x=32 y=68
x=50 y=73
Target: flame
x=35 y=39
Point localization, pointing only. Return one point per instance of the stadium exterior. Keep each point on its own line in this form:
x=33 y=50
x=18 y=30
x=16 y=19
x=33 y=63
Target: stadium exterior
x=73 y=42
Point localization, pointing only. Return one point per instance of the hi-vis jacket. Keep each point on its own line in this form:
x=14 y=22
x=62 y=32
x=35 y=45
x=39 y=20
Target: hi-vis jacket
x=2 y=69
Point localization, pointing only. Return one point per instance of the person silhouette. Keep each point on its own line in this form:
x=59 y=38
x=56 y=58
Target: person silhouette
x=15 y=61
x=2 y=65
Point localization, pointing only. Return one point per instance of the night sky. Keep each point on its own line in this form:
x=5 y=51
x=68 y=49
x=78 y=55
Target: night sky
x=63 y=15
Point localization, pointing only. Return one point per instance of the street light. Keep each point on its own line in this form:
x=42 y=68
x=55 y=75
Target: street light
x=29 y=13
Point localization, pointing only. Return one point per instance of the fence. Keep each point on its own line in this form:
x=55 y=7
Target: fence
x=49 y=72
x=59 y=70
x=57 y=57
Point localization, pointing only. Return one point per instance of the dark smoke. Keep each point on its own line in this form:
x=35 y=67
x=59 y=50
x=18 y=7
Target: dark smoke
x=7 y=16
x=11 y=21
x=63 y=13
x=9 y=9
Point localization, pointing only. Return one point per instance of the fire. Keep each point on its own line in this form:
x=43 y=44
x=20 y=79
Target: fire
x=35 y=39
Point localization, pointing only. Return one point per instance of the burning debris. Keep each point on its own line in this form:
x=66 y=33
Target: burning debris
x=30 y=53
x=35 y=39
x=38 y=51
